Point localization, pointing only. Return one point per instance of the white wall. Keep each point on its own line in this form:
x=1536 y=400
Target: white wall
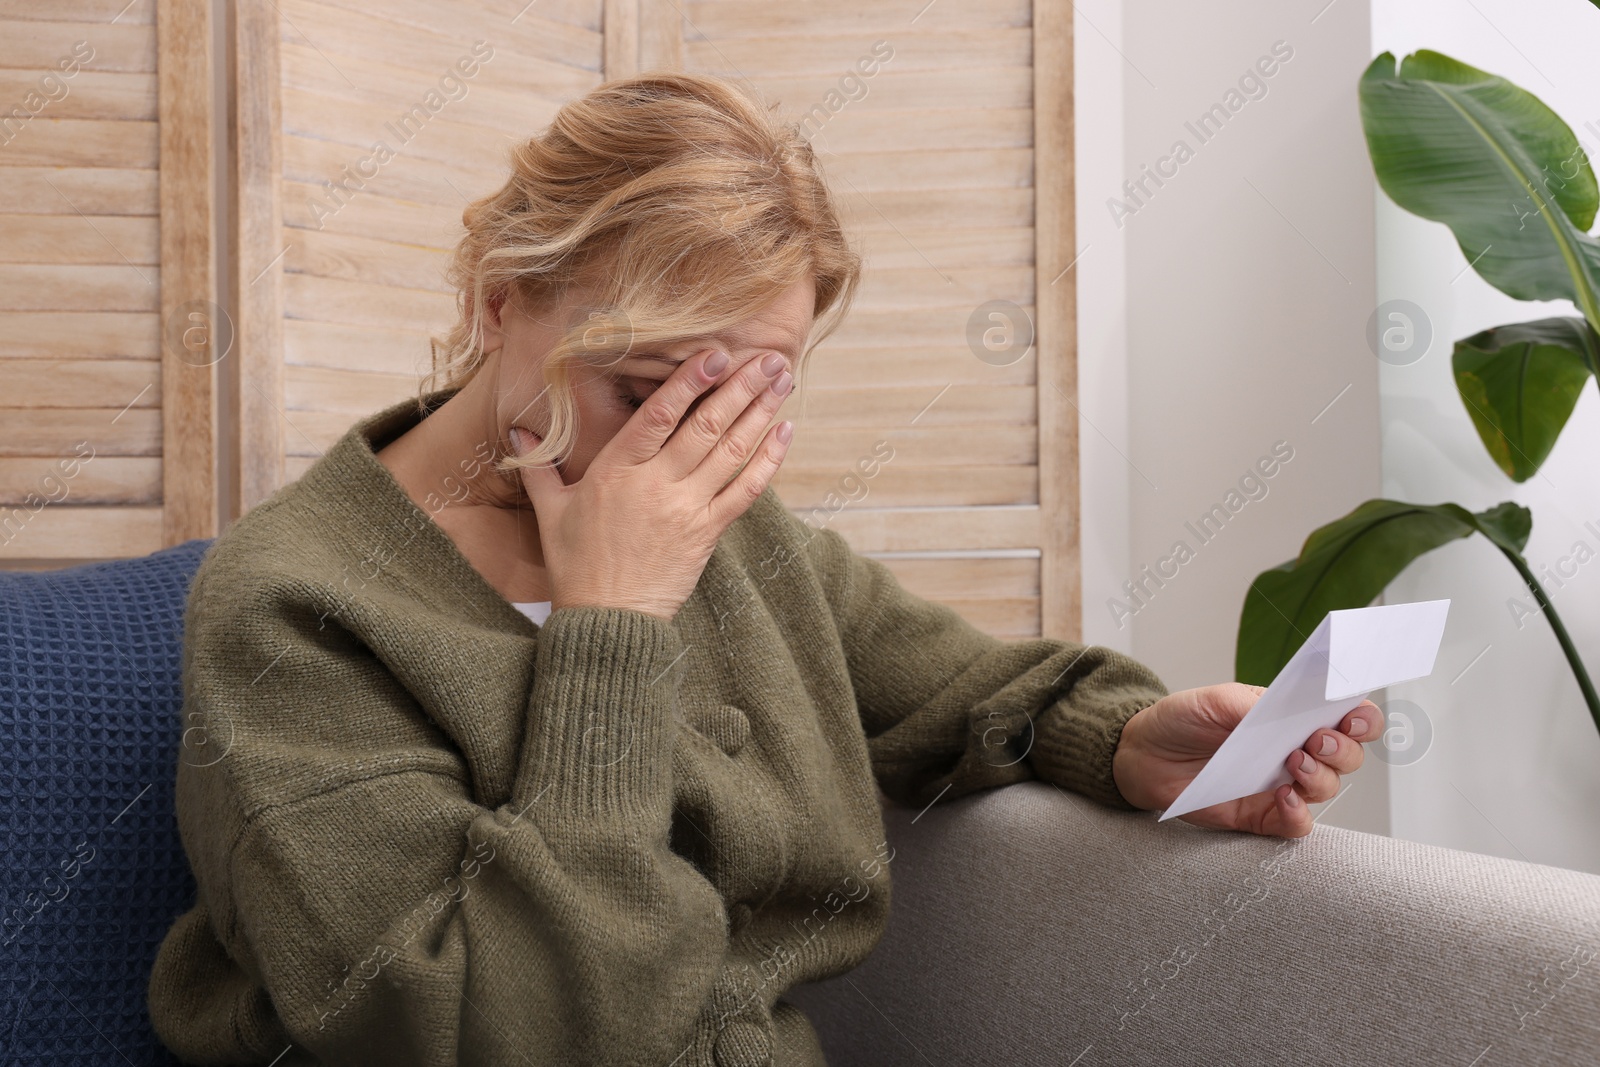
x=1514 y=767
x=1223 y=316
x=1101 y=278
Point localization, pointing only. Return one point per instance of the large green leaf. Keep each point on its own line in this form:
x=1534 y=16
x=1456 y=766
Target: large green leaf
x=1464 y=147
x=1519 y=383
x=1346 y=564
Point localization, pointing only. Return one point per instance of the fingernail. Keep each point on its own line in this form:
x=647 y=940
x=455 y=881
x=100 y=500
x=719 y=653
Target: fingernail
x=519 y=443
x=782 y=384
x=1307 y=764
x=1329 y=743
x=785 y=431
x=1293 y=799
x=715 y=364
x=771 y=364
x=1357 y=726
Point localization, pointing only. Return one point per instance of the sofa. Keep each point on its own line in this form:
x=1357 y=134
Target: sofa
x=1028 y=925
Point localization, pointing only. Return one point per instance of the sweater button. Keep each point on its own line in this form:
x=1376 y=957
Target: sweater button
x=728 y=727
x=743 y=1044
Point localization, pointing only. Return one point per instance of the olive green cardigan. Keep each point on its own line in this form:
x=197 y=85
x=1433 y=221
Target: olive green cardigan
x=429 y=831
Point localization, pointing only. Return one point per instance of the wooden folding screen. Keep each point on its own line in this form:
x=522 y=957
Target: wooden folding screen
x=360 y=131
x=109 y=330
x=952 y=160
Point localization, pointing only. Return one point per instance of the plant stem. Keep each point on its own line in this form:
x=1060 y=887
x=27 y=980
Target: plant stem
x=1584 y=684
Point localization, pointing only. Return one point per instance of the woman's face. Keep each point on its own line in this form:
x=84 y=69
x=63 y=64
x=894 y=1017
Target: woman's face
x=606 y=397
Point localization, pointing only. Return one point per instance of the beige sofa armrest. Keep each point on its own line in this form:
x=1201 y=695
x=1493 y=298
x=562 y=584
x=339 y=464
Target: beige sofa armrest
x=1032 y=926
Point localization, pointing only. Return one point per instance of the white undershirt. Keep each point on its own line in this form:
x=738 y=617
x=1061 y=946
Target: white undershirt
x=537 y=610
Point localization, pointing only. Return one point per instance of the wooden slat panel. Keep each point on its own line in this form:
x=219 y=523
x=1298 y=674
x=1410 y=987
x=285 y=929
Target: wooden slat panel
x=841 y=449
x=365 y=259
x=40 y=45
x=931 y=159
x=424 y=181
x=83 y=143
x=948 y=248
x=920 y=130
x=91 y=335
x=55 y=431
x=938 y=529
x=74 y=190
x=363 y=304
x=968 y=577
x=893 y=87
x=339 y=33
x=935 y=366
x=355 y=394
x=910 y=287
x=930 y=326
x=65 y=531
x=908 y=486
x=99 y=480
x=973 y=406
x=829 y=53
x=722 y=19
x=312 y=433
x=891 y=209
x=585 y=13
x=53 y=383
x=79 y=239
x=90 y=94
x=30 y=287
x=96 y=250
x=532 y=32
x=509 y=112
x=123 y=12
x=358 y=126
x=376 y=80
x=356 y=348
x=867 y=172
x=371 y=214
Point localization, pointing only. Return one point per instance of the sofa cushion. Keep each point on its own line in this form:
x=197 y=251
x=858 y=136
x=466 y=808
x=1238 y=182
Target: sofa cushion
x=90 y=709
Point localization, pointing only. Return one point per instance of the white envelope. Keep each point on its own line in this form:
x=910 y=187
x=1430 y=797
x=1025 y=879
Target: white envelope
x=1351 y=653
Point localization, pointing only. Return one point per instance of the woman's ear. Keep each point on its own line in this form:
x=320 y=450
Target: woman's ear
x=494 y=335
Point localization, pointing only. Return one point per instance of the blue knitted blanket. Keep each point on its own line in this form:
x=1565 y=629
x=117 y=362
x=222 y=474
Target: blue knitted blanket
x=94 y=873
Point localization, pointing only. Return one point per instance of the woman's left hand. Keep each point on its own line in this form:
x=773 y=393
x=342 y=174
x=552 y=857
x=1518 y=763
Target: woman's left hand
x=1164 y=746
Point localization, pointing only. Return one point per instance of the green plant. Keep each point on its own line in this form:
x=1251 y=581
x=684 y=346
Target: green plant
x=1464 y=147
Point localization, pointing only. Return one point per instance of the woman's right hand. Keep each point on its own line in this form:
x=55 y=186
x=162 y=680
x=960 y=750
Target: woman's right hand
x=637 y=529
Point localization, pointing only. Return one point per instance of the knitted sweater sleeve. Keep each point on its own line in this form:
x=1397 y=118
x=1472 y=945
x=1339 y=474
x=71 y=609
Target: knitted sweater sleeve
x=948 y=709
x=378 y=914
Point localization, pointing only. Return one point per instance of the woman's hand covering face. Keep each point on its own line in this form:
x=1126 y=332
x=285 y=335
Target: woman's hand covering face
x=635 y=531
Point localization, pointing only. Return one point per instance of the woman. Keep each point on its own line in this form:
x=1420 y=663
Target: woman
x=539 y=730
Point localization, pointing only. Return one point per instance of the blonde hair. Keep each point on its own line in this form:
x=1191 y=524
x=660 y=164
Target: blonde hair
x=679 y=201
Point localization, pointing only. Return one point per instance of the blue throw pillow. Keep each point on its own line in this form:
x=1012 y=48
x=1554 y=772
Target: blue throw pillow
x=94 y=872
